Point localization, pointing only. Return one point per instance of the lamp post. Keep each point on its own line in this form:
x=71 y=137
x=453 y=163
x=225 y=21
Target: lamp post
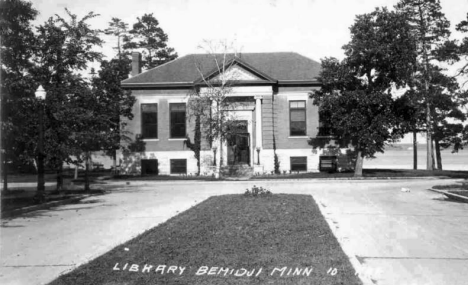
x=40 y=95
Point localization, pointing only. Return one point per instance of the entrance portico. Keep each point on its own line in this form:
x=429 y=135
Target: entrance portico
x=250 y=101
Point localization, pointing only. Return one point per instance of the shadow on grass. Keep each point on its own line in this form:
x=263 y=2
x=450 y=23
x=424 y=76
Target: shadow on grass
x=27 y=206
x=11 y=226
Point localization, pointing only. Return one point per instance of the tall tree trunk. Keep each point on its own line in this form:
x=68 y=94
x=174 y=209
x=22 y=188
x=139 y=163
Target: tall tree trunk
x=2 y=139
x=415 y=150
x=59 y=187
x=114 y=163
x=5 y=170
x=438 y=154
x=86 y=186
x=430 y=155
x=359 y=163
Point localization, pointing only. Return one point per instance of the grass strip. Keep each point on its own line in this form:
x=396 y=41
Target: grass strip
x=280 y=239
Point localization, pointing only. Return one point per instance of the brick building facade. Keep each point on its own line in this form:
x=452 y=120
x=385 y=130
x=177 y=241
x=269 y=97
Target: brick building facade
x=274 y=88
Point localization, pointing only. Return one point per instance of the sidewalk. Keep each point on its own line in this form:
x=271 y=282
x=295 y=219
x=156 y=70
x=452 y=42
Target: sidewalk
x=397 y=237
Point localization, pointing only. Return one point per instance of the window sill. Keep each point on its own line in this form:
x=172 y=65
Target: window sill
x=177 y=139
x=298 y=137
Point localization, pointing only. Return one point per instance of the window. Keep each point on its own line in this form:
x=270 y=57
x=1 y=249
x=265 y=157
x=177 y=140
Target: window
x=177 y=111
x=149 y=167
x=298 y=163
x=178 y=166
x=297 y=118
x=149 y=121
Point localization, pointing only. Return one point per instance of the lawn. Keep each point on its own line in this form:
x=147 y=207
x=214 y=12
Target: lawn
x=231 y=239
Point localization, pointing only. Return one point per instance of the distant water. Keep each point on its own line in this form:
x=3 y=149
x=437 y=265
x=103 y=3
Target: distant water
x=400 y=156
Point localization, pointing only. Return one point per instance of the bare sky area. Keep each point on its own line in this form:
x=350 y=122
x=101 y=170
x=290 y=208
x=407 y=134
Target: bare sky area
x=314 y=28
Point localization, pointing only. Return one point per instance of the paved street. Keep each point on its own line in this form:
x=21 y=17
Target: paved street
x=399 y=237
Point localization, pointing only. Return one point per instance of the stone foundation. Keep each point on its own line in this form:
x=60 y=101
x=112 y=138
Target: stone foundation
x=131 y=164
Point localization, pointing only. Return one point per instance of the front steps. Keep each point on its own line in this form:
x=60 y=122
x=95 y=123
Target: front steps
x=237 y=170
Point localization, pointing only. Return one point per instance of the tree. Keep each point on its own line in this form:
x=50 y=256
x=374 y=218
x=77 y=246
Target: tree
x=16 y=39
x=198 y=107
x=63 y=47
x=462 y=48
x=431 y=32
x=148 y=37
x=119 y=29
x=355 y=98
x=411 y=118
x=111 y=74
x=114 y=102
x=93 y=124
x=446 y=100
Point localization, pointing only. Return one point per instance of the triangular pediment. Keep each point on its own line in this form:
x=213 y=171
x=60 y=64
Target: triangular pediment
x=236 y=70
x=237 y=73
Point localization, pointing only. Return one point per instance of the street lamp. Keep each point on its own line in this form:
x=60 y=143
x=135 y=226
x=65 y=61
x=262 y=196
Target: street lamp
x=40 y=195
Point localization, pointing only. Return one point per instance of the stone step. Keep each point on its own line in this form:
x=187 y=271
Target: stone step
x=238 y=170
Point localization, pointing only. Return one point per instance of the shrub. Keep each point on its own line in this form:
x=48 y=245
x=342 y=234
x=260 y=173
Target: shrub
x=257 y=192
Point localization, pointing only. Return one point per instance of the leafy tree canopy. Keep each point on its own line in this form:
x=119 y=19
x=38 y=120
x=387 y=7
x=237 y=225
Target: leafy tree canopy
x=149 y=37
x=355 y=98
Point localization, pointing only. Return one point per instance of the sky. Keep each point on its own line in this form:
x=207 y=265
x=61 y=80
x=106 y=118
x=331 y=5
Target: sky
x=313 y=28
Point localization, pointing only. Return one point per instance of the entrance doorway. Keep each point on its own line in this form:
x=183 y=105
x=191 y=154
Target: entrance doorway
x=238 y=149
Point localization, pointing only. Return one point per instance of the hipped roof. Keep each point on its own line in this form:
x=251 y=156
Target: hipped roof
x=282 y=67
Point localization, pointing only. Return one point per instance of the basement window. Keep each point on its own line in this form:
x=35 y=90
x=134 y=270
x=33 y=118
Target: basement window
x=149 y=167
x=178 y=166
x=298 y=163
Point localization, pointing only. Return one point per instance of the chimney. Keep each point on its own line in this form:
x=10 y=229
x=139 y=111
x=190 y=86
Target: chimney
x=136 y=63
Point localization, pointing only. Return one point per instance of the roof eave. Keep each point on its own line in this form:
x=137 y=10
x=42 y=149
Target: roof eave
x=157 y=85
x=282 y=83
x=186 y=85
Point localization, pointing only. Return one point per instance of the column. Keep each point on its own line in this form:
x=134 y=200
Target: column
x=258 y=118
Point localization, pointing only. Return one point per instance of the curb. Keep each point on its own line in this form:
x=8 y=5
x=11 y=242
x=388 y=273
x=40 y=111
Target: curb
x=44 y=206
x=143 y=182
x=450 y=195
x=358 y=178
